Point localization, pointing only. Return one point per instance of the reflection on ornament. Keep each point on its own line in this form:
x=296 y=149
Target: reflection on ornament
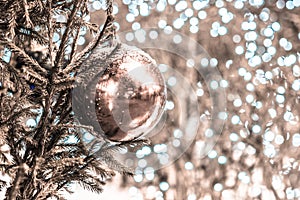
x=128 y=94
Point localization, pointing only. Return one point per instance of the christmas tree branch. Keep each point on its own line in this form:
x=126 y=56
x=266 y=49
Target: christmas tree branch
x=12 y=194
x=28 y=61
x=76 y=6
x=79 y=58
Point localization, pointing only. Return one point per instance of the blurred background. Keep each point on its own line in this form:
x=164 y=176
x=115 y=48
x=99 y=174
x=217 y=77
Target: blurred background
x=231 y=125
x=254 y=45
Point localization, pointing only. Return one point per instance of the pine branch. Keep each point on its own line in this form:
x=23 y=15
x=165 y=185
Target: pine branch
x=12 y=191
x=28 y=61
x=74 y=65
x=76 y=6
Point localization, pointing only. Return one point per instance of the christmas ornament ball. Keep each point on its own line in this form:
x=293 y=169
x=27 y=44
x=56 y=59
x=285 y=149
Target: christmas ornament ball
x=128 y=95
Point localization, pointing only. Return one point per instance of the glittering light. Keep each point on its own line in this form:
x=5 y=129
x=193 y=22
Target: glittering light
x=288 y=116
x=279 y=139
x=192 y=197
x=209 y=133
x=169 y=105
x=214 y=85
x=241 y=146
x=162 y=23
x=283 y=42
x=204 y=62
x=242 y=71
x=144 y=9
x=31 y=123
x=268 y=32
x=280 y=4
x=237 y=102
x=280 y=98
x=130 y=17
x=296 y=70
x=198 y=5
x=269 y=151
x=276 y=26
x=168 y=30
x=180 y=6
x=194 y=29
x=264 y=15
x=222 y=160
x=296 y=140
x=146 y=150
x=212 y=154
x=194 y=21
x=271 y=50
x=251 y=36
x=256 y=129
x=251 y=46
x=161 y=5
x=269 y=136
x=176 y=143
x=256 y=2
x=296 y=3
x=218 y=187
x=250 y=87
x=172 y=2
x=138 y=178
x=136 y=26
x=223 y=115
x=266 y=57
x=172 y=81
x=235 y=119
x=160 y=148
x=164 y=186
x=288 y=46
x=214 y=33
x=97 y=5
x=281 y=90
x=202 y=14
x=251 y=26
x=239 y=4
x=200 y=92
x=234 y=137
x=189 y=12
x=188 y=166
x=133 y=190
x=254 y=61
x=153 y=35
x=236 y=38
x=267 y=42
x=142 y=163
x=224 y=83
x=219 y=3
x=254 y=117
x=239 y=50
x=178 y=133
x=222 y=30
x=245 y=26
x=215 y=25
x=248 y=76
x=213 y=62
x=290 y=60
x=296 y=85
x=289 y=5
x=222 y=11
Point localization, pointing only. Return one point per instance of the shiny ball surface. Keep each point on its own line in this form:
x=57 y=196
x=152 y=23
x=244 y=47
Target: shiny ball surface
x=120 y=92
